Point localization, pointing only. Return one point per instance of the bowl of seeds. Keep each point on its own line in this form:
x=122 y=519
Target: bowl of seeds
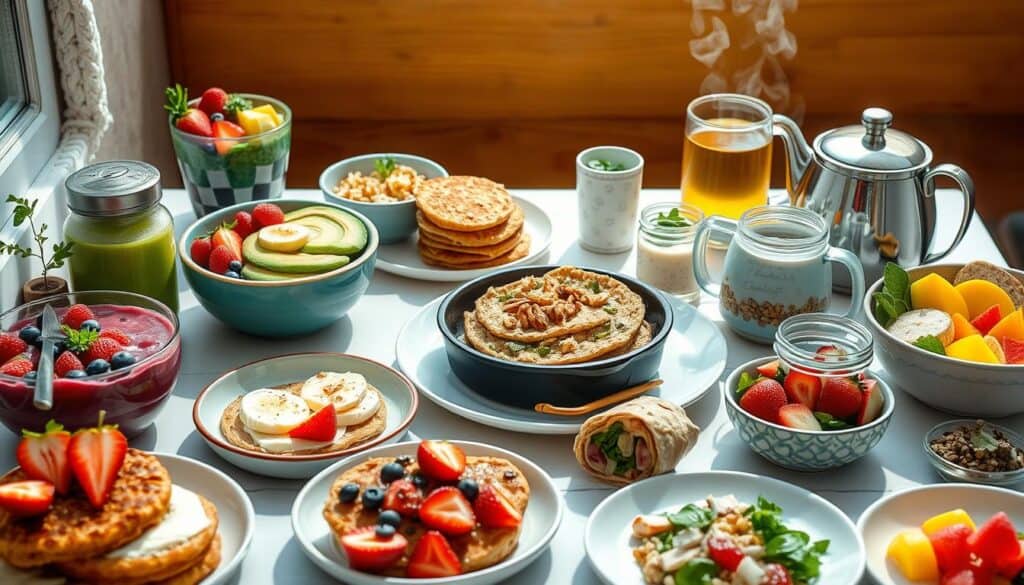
x=976 y=451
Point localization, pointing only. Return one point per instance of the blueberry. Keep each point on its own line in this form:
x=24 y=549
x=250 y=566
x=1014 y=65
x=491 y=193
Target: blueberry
x=391 y=471
x=121 y=359
x=419 y=481
x=90 y=325
x=97 y=366
x=216 y=117
x=468 y=488
x=373 y=497
x=389 y=517
x=384 y=531
x=29 y=335
x=232 y=274
x=75 y=374
x=235 y=266
x=349 y=492
x=404 y=460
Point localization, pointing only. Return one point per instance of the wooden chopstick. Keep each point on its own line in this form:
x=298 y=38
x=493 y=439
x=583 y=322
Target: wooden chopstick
x=620 y=396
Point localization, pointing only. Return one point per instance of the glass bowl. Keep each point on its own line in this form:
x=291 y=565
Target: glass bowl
x=131 y=397
x=953 y=472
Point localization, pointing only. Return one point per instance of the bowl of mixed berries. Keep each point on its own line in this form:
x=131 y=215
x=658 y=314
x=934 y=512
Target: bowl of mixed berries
x=118 y=352
x=231 y=147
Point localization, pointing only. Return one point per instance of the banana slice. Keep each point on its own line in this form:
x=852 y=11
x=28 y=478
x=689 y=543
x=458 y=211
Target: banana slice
x=274 y=412
x=361 y=412
x=343 y=390
x=283 y=237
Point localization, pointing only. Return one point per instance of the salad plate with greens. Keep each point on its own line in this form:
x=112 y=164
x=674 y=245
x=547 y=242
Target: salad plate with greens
x=722 y=527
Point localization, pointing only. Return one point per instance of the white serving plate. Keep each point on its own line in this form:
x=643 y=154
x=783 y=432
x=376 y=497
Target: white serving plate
x=693 y=359
x=608 y=536
x=400 y=398
x=403 y=258
x=909 y=508
x=236 y=518
x=541 y=520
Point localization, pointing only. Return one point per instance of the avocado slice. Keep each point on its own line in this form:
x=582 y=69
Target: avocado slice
x=299 y=264
x=352 y=240
x=326 y=235
x=253 y=272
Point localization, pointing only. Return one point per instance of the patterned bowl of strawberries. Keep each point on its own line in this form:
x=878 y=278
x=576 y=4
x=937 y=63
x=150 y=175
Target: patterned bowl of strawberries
x=120 y=353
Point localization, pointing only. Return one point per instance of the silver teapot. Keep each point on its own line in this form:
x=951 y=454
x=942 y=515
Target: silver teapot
x=875 y=187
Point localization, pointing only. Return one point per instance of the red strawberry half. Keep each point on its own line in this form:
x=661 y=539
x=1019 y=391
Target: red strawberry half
x=266 y=214
x=433 y=557
x=440 y=460
x=96 y=456
x=17 y=367
x=66 y=362
x=872 y=401
x=26 y=498
x=227 y=131
x=200 y=251
x=798 y=416
x=44 y=456
x=10 y=346
x=403 y=497
x=225 y=235
x=447 y=510
x=75 y=315
x=769 y=370
x=213 y=101
x=368 y=552
x=764 y=399
x=840 y=397
x=322 y=426
x=802 y=388
x=494 y=510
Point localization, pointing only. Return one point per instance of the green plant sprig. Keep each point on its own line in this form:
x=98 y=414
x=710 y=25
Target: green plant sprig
x=24 y=210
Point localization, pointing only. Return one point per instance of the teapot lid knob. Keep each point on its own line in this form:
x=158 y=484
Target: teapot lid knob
x=875 y=121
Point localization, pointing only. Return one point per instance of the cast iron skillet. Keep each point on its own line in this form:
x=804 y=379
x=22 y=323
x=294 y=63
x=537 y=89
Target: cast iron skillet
x=523 y=385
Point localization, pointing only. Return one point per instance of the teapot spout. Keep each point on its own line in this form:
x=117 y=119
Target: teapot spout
x=798 y=152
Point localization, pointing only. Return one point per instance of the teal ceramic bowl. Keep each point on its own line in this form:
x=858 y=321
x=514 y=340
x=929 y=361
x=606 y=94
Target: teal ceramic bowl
x=395 y=221
x=803 y=450
x=278 y=308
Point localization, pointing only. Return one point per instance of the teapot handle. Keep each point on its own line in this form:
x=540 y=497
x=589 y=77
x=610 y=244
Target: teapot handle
x=966 y=189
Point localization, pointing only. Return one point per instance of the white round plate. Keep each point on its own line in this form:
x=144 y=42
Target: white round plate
x=693 y=359
x=540 y=522
x=403 y=258
x=235 y=515
x=608 y=536
x=909 y=508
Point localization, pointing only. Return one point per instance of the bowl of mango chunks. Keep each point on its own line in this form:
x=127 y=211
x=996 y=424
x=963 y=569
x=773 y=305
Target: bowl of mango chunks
x=952 y=335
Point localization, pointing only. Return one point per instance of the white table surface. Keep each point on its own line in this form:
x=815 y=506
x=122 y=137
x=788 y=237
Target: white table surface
x=370 y=329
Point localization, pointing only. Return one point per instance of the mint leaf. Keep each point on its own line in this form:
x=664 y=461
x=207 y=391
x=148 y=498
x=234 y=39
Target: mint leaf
x=746 y=381
x=897 y=282
x=930 y=343
x=894 y=297
x=699 y=571
x=829 y=422
x=674 y=219
x=982 y=439
x=692 y=516
x=384 y=166
x=600 y=164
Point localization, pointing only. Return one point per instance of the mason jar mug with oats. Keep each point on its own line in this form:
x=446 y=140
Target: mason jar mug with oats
x=727 y=157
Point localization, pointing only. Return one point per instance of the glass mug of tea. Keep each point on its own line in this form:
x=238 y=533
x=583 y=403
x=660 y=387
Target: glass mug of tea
x=776 y=266
x=727 y=157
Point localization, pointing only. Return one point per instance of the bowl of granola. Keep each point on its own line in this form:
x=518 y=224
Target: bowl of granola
x=381 y=186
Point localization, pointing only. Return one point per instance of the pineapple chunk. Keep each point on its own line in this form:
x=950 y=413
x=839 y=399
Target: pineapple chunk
x=270 y=111
x=940 y=521
x=254 y=122
x=912 y=553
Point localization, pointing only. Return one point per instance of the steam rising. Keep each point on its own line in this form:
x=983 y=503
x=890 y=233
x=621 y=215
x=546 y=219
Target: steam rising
x=759 y=42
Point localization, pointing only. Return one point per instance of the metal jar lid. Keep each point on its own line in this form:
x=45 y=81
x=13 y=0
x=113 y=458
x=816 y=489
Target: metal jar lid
x=872 y=149
x=113 y=187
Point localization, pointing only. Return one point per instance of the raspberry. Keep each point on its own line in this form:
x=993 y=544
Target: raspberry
x=10 y=346
x=65 y=363
x=266 y=214
x=75 y=314
x=102 y=349
x=17 y=367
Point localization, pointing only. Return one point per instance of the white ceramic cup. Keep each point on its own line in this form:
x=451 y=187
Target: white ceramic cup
x=607 y=200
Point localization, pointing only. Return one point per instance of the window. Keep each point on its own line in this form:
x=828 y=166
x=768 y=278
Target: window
x=12 y=75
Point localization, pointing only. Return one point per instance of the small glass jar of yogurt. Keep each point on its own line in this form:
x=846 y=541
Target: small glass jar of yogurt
x=664 y=254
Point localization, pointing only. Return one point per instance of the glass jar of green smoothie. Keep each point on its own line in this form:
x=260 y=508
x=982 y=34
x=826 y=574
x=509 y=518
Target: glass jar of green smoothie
x=123 y=238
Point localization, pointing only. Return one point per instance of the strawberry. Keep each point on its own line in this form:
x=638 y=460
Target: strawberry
x=494 y=510
x=266 y=214
x=117 y=335
x=225 y=235
x=798 y=416
x=213 y=101
x=440 y=460
x=103 y=348
x=221 y=258
x=17 y=367
x=244 y=224
x=66 y=362
x=185 y=118
x=26 y=498
x=44 y=456
x=724 y=551
x=802 y=388
x=403 y=497
x=1013 y=350
x=764 y=399
x=872 y=402
x=96 y=456
x=830 y=353
x=840 y=397
x=447 y=510
x=770 y=370
x=226 y=130
x=775 y=574
x=75 y=314
x=322 y=426
x=433 y=557
x=10 y=346
x=368 y=552
x=987 y=319
x=200 y=251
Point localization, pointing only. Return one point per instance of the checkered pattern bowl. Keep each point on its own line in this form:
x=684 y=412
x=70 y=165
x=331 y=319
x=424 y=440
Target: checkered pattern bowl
x=220 y=172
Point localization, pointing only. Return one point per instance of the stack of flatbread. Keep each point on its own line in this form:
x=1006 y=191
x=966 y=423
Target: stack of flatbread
x=566 y=316
x=469 y=222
